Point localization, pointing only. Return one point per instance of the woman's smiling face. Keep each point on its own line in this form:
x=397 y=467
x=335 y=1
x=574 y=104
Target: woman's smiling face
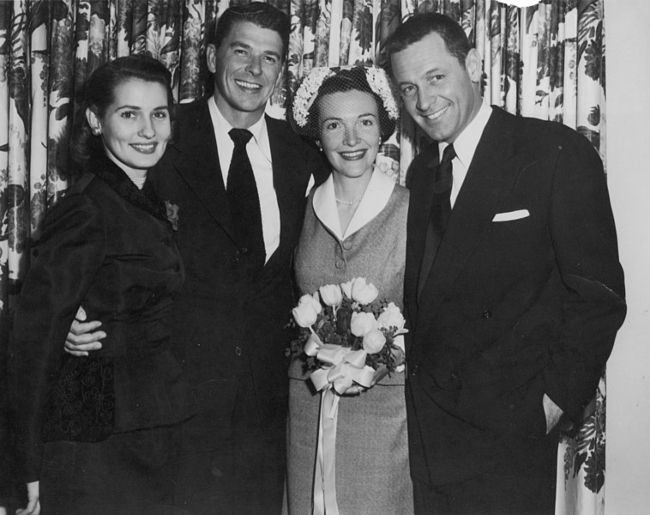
x=136 y=126
x=349 y=131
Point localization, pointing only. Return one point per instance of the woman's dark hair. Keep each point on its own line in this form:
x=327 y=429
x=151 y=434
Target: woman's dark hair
x=348 y=79
x=99 y=93
x=420 y=25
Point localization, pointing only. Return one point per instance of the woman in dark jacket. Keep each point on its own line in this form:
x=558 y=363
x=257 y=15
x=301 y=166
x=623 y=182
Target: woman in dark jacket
x=95 y=434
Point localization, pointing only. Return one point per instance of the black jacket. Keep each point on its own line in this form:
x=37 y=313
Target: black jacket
x=109 y=247
x=515 y=305
x=230 y=320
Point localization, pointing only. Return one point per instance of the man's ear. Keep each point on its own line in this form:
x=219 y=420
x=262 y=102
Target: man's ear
x=474 y=65
x=211 y=57
x=94 y=121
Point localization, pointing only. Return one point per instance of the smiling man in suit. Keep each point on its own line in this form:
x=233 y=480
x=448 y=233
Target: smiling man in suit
x=239 y=179
x=513 y=288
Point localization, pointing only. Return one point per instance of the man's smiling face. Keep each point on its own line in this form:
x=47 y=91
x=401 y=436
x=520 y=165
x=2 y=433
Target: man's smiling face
x=246 y=67
x=439 y=92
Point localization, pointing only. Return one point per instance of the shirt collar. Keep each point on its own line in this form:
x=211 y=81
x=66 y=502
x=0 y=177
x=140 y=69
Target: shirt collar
x=467 y=141
x=223 y=126
x=377 y=194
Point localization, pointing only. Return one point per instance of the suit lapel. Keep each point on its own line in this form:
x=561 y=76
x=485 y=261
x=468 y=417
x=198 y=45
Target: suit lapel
x=285 y=178
x=197 y=161
x=421 y=186
x=491 y=173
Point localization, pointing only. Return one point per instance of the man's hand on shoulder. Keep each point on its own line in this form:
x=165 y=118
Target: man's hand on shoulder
x=83 y=337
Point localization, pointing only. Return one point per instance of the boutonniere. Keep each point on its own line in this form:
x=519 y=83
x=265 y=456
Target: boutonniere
x=171 y=210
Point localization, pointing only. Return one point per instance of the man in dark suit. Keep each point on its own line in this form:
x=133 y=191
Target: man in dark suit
x=229 y=320
x=513 y=288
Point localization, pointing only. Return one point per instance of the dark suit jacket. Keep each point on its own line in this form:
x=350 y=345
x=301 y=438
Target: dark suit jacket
x=107 y=246
x=510 y=310
x=229 y=320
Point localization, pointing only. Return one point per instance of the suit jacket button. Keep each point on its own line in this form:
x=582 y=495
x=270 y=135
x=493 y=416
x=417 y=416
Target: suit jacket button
x=238 y=350
x=244 y=250
x=486 y=314
x=414 y=370
x=454 y=380
x=339 y=264
x=236 y=257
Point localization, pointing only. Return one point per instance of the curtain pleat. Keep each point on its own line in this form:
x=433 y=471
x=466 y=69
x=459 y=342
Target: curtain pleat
x=17 y=145
x=59 y=94
x=5 y=55
x=39 y=49
x=545 y=61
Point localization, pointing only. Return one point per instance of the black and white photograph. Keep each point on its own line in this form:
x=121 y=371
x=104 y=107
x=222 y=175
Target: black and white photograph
x=334 y=257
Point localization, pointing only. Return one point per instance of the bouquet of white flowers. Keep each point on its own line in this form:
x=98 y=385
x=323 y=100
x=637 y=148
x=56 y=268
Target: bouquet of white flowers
x=347 y=336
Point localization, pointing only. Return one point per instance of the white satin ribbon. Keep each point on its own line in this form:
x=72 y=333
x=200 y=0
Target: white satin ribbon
x=325 y=476
x=341 y=367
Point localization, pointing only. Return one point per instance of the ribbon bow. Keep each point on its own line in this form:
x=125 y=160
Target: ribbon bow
x=341 y=367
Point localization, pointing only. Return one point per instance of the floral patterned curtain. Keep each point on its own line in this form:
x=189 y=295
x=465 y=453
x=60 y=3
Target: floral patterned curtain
x=546 y=61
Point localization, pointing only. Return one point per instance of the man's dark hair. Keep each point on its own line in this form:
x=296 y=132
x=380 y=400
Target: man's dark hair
x=421 y=25
x=259 y=13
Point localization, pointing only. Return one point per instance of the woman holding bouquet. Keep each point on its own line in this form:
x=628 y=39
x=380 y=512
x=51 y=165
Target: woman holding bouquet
x=355 y=226
x=95 y=434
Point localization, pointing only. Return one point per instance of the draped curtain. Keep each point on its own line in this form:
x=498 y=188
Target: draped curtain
x=546 y=61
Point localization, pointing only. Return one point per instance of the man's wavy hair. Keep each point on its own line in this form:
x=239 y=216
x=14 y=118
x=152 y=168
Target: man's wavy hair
x=419 y=26
x=261 y=14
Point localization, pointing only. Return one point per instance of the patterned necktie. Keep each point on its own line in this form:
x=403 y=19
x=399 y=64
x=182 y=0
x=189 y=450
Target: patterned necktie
x=244 y=201
x=440 y=212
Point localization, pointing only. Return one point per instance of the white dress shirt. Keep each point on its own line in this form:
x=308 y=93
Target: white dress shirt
x=465 y=146
x=259 y=154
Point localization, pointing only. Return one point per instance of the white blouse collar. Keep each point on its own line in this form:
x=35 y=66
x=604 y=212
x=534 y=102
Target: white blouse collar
x=378 y=192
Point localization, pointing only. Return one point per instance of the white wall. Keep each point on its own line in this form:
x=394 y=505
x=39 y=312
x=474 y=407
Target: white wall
x=627 y=29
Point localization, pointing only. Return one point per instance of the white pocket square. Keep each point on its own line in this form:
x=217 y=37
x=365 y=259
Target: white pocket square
x=511 y=215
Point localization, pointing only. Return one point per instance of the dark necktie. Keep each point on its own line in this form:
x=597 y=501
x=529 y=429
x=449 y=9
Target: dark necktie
x=244 y=201
x=440 y=212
